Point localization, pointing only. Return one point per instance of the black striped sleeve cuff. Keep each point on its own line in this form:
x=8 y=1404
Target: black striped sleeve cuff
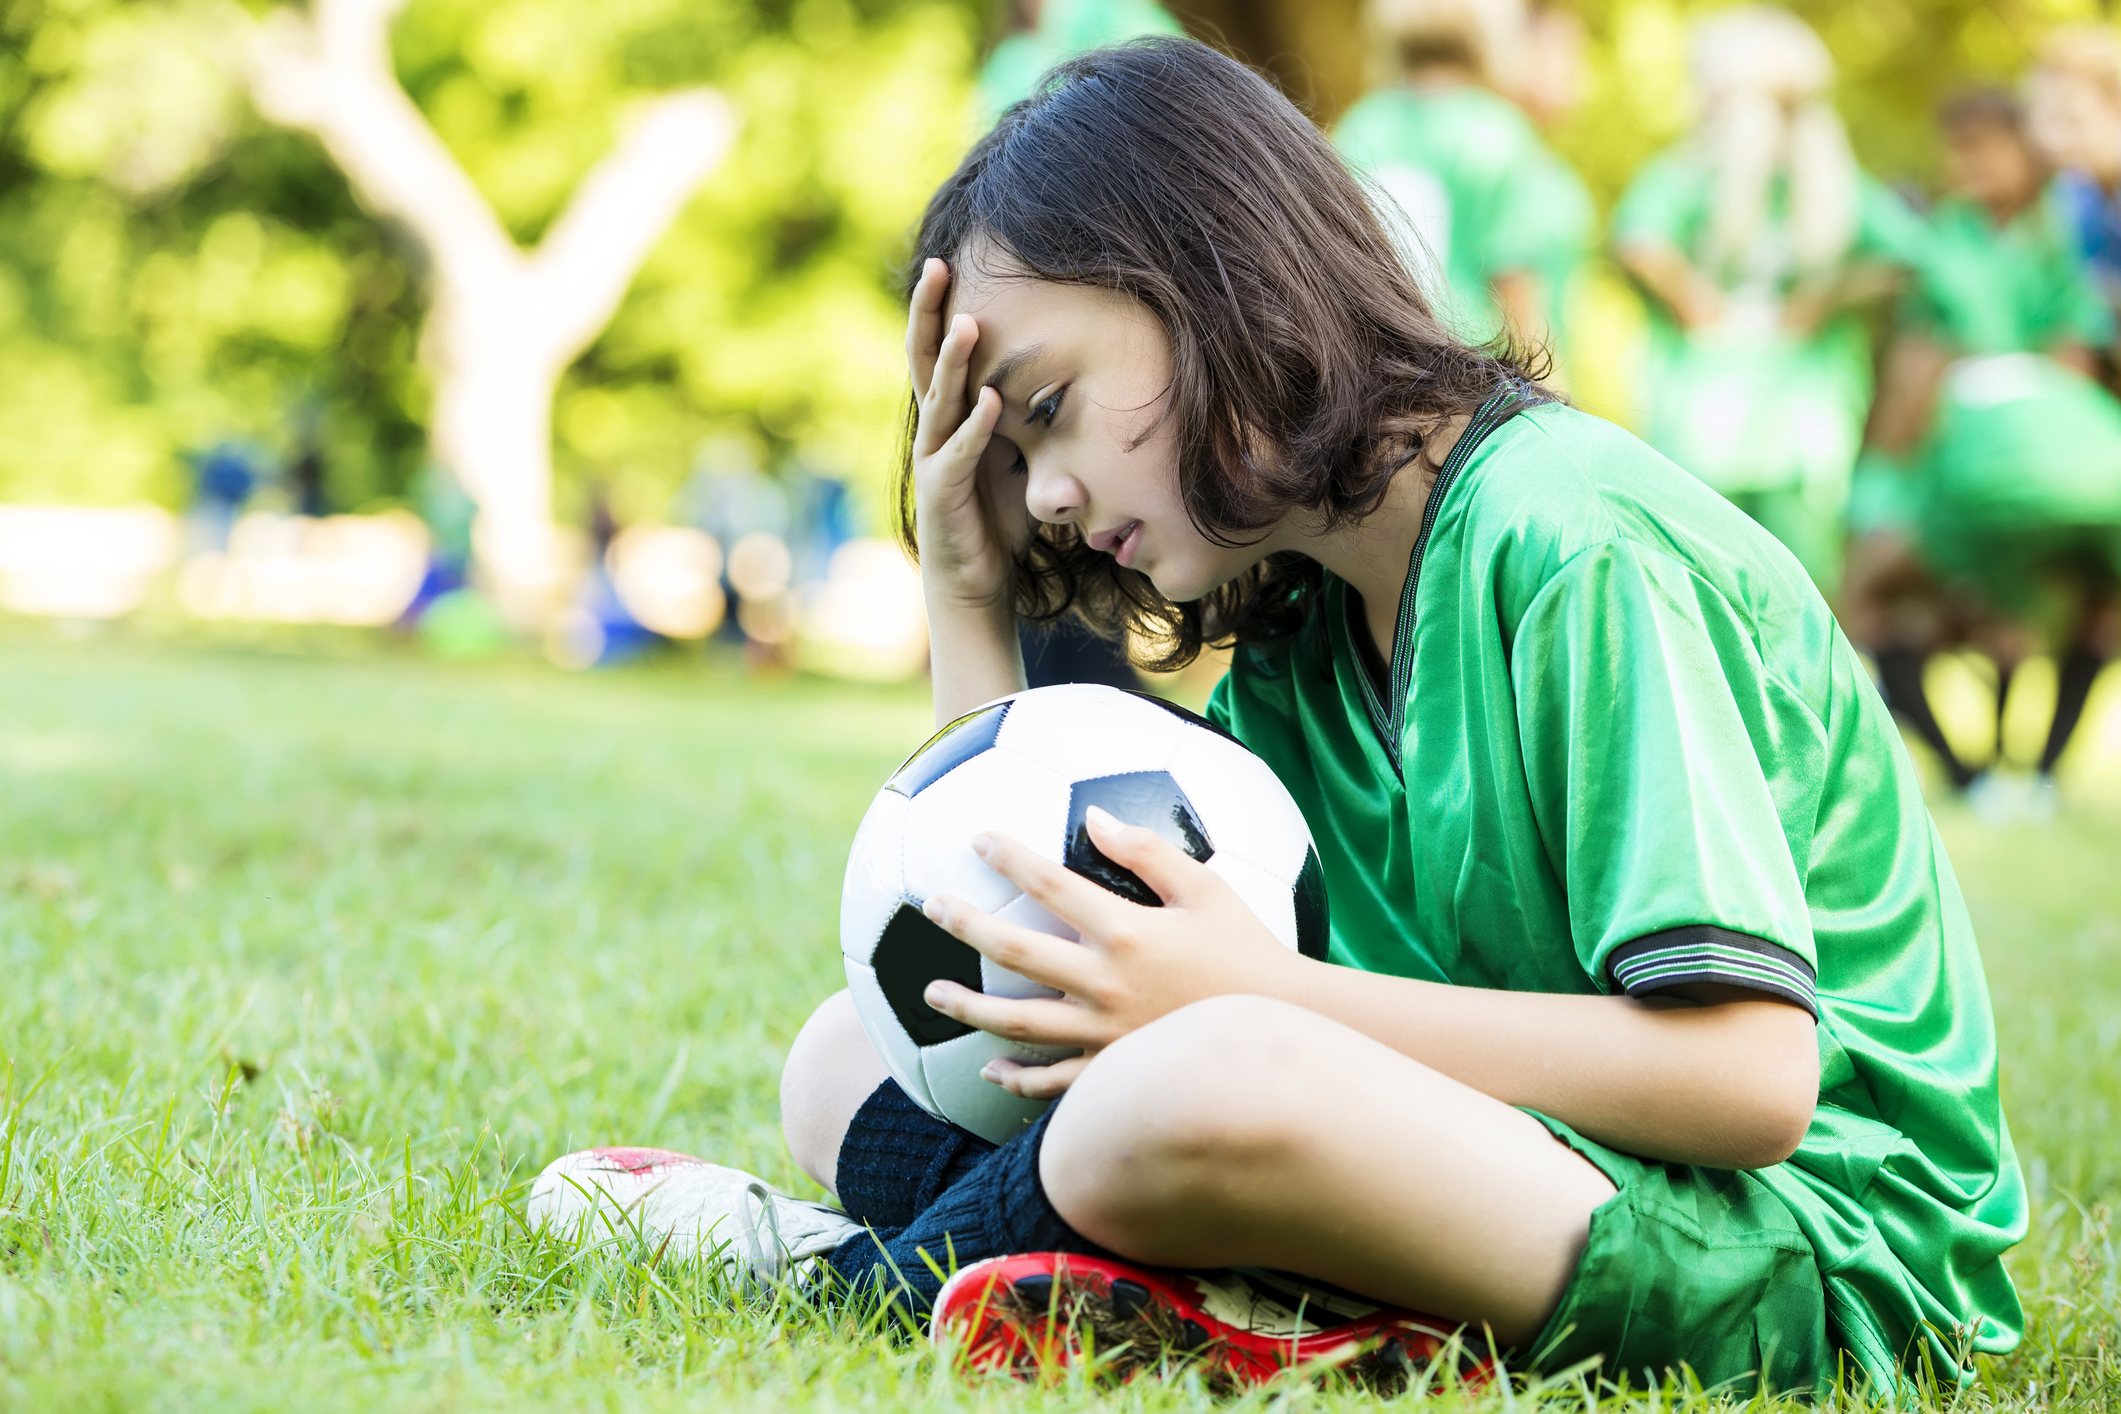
x=1678 y=957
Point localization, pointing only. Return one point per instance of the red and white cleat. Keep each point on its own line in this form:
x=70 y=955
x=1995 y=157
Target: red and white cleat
x=1036 y=1315
x=686 y=1207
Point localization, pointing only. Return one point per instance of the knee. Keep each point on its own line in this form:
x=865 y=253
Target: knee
x=831 y=1069
x=1178 y=1112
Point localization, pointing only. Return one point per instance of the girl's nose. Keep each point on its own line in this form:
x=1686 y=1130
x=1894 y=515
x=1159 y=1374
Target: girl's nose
x=1054 y=497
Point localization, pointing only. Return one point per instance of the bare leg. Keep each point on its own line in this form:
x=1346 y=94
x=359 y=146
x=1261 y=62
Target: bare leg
x=831 y=1070
x=1242 y=1131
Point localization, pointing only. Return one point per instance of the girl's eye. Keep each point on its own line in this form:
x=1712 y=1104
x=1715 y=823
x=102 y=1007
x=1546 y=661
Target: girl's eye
x=1045 y=412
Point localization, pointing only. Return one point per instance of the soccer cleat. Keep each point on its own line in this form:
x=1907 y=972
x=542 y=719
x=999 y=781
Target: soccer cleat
x=1035 y=1315
x=686 y=1207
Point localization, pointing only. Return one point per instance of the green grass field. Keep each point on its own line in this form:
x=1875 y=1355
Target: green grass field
x=308 y=963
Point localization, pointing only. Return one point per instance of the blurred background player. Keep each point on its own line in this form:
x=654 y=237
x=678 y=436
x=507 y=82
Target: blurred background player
x=1756 y=239
x=2073 y=98
x=1990 y=510
x=1477 y=203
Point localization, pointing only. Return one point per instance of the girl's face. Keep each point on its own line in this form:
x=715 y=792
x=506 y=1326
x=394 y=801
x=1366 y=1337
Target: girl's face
x=1085 y=381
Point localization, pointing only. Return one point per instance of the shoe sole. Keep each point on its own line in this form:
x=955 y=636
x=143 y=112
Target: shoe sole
x=1035 y=1317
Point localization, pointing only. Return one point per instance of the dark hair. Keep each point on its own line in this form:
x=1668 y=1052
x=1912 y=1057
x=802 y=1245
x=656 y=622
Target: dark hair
x=1306 y=362
x=1989 y=108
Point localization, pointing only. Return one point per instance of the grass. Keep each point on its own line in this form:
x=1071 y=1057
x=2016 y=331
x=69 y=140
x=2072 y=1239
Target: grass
x=307 y=963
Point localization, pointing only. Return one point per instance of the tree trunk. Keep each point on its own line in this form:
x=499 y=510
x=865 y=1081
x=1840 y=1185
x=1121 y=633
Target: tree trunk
x=1312 y=48
x=505 y=324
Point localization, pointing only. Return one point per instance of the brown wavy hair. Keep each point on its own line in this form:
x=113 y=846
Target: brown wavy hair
x=1306 y=361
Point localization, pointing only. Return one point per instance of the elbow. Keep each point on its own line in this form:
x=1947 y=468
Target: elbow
x=1784 y=1095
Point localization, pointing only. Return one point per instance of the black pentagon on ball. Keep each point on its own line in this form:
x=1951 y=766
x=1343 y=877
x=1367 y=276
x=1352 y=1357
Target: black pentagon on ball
x=1314 y=919
x=912 y=953
x=949 y=749
x=1150 y=798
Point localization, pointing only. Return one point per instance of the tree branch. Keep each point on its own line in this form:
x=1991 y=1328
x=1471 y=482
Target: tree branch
x=589 y=257
x=333 y=76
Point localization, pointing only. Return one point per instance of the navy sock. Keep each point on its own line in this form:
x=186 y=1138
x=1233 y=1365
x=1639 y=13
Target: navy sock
x=997 y=1208
x=897 y=1159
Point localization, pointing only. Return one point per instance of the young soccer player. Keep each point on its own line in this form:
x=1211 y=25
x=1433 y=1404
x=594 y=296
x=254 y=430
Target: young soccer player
x=1755 y=239
x=1981 y=468
x=1482 y=209
x=1654 y=1029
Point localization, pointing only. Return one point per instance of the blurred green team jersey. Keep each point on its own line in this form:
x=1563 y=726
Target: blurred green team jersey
x=2017 y=288
x=1622 y=746
x=1472 y=190
x=1760 y=413
x=1065 y=28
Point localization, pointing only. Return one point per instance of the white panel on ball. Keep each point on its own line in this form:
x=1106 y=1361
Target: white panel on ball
x=875 y=876
x=1025 y=912
x=960 y=1094
x=996 y=791
x=1243 y=804
x=1082 y=731
x=1273 y=899
x=901 y=1057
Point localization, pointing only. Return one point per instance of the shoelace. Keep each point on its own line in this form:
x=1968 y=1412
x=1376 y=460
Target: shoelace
x=774 y=1266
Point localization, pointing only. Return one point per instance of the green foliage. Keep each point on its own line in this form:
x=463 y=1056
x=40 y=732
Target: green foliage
x=173 y=270
x=278 y=1058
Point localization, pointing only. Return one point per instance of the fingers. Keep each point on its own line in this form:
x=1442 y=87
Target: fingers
x=943 y=400
x=1035 y=1082
x=1053 y=962
x=1033 y=1021
x=924 y=322
x=1163 y=866
x=1068 y=896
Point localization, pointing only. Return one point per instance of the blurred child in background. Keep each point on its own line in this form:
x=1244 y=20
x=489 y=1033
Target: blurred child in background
x=1990 y=505
x=2074 y=101
x=1755 y=239
x=1476 y=202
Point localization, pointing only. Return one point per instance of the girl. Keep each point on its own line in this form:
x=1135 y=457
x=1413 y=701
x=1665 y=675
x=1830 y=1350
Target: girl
x=1654 y=1030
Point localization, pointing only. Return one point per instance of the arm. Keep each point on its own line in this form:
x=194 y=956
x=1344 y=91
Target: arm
x=1729 y=1081
x=1666 y=273
x=959 y=482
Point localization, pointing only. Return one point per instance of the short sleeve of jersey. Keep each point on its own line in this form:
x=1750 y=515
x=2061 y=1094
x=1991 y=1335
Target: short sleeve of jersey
x=1650 y=800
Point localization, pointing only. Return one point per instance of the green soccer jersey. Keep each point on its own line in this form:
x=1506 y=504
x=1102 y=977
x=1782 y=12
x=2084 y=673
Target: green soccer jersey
x=1623 y=746
x=1470 y=187
x=2021 y=287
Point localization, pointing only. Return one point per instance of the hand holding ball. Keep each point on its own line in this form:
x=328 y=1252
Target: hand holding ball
x=1031 y=767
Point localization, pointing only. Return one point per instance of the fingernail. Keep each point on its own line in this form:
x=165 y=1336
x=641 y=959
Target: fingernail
x=989 y=1073
x=934 y=909
x=1106 y=817
x=983 y=845
x=930 y=993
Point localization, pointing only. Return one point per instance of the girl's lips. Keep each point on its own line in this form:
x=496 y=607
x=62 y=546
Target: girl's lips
x=1129 y=543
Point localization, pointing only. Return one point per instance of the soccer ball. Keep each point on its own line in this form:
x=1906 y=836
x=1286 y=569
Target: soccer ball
x=1031 y=766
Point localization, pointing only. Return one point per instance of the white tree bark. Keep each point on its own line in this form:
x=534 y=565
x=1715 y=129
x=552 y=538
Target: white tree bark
x=506 y=323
